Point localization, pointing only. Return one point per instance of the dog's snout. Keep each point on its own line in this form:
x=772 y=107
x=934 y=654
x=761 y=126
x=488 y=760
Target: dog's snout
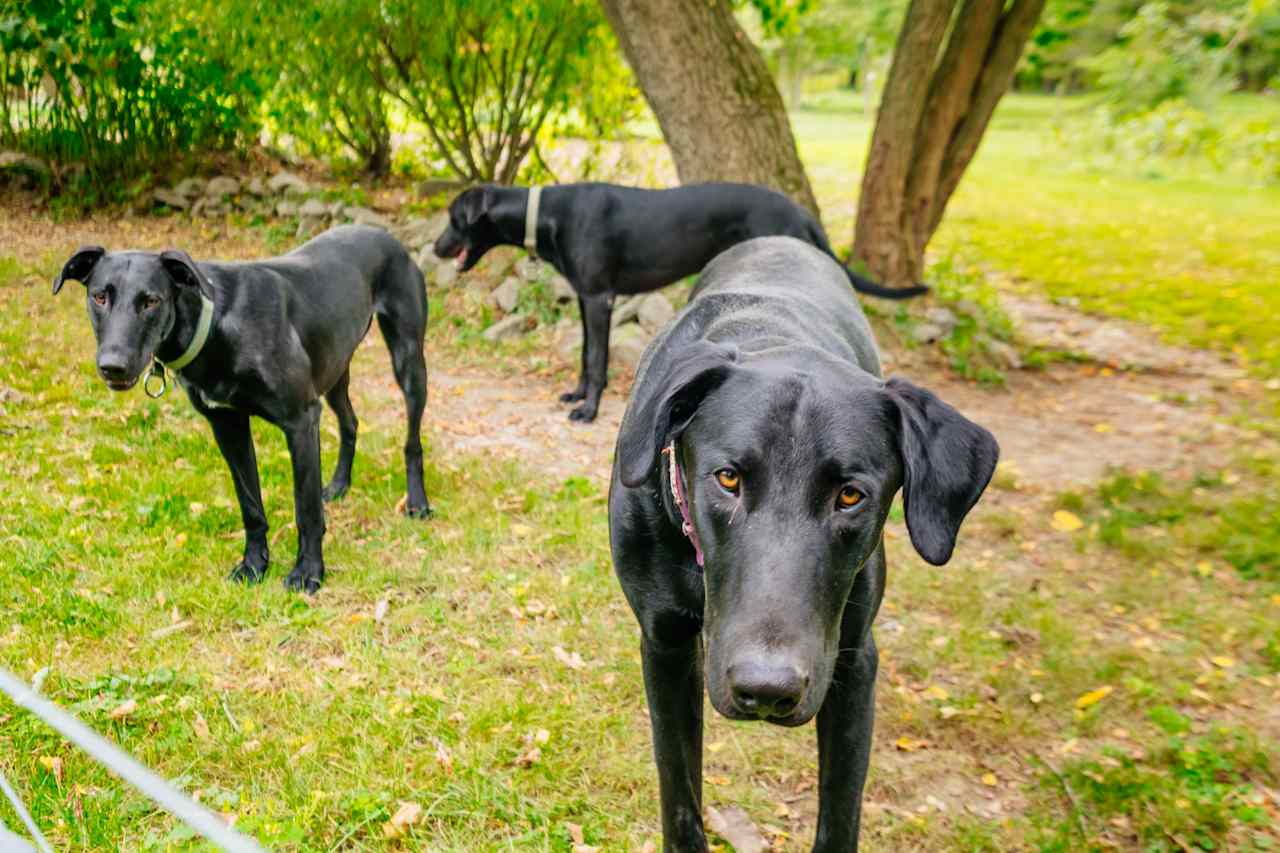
x=766 y=690
x=114 y=367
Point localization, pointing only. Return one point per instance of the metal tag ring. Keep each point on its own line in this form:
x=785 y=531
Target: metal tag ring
x=147 y=384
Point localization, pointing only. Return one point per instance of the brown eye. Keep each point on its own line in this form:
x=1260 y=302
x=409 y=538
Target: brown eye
x=728 y=480
x=151 y=302
x=848 y=498
x=100 y=298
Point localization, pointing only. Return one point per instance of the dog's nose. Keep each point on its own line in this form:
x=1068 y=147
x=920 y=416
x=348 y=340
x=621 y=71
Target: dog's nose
x=766 y=690
x=113 y=368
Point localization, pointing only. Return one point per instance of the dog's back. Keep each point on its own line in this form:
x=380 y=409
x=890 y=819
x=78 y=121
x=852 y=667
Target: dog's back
x=747 y=296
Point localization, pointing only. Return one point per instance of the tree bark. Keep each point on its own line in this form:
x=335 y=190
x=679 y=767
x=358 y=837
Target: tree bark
x=953 y=62
x=712 y=93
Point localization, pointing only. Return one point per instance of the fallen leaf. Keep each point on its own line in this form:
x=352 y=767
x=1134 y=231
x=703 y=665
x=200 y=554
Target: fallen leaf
x=1204 y=568
x=161 y=633
x=907 y=744
x=200 y=727
x=1223 y=661
x=380 y=610
x=573 y=661
x=1037 y=698
x=1066 y=522
x=406 y=816
x=1093 y=697
x=732 y=824
x=722 y=781
x=936 y=692
x=990 y=780
x=54 y=765
x=123 y=710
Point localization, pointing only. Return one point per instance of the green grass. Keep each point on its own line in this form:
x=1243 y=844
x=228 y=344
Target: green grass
x=1189 y=250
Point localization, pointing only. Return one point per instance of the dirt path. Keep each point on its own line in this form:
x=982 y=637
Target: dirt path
x=1063 y=426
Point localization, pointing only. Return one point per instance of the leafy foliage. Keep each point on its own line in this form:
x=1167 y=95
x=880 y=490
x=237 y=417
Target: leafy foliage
x=106 y=90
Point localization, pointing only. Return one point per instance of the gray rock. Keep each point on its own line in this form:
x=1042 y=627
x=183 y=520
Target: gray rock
x=927 y=333
x=365 y=216
x=446 y=274
x=198 y=207
x=171 y=198
x=336 y=209
x=190 y=188
x=1005 y=354
x=308 y=226
x=24 y=163
x=506 y=328
x=655 y=312
x=626 y=310
x=427 y=260
x=287 y=183
x=212 y=209
x=568 y=340
x=222 y=186
x=419 y=232
x=256 y=187
x=626 y=345
x=562 y=290
x=941 y=317
x=506 y=295
x=530 y=268
x=313 y=207
x=284 y=207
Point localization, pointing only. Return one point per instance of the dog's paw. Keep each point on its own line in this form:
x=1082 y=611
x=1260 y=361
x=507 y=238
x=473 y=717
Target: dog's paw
x=248 y=573
x=334 y=490
x=304 y=578
x=422 y=511
x=573 y=396
x=583 y=414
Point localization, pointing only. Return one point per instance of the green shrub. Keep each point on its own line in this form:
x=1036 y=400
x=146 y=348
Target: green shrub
x=105 y=90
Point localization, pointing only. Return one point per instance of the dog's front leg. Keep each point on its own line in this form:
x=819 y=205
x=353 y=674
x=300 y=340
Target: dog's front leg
x=844 y=747
x=673 y=685
x=235 y=440
x=303 y=436
x=580 y=392
x=597 y=314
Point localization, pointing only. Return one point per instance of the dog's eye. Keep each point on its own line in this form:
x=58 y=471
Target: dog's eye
x=100 y=298
x=729 y=480
x=151 y=302
x=848 y=498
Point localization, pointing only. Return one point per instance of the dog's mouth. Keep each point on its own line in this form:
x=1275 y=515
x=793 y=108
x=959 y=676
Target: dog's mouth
x=460 y=258
x=121 y=384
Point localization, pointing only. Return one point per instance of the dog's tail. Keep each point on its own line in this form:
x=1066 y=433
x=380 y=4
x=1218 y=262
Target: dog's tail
x=861 y=283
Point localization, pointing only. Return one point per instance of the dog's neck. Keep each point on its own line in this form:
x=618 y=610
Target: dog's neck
x=186 y=319
x=509 y=217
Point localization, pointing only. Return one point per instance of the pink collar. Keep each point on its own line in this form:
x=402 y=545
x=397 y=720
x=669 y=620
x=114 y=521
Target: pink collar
x=682 y=504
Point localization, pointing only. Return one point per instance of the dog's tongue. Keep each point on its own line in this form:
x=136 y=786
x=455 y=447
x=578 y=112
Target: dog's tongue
x=461 y=259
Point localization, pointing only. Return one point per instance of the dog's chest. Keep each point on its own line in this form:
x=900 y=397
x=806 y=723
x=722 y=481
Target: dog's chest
x=219 y=395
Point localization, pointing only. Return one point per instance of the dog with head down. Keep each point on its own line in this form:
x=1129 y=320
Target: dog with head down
x=756 y=464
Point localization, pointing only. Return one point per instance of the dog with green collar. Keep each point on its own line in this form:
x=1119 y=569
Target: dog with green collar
x=266 y=339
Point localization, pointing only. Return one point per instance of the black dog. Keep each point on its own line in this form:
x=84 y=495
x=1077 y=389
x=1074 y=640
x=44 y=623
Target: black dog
x=760 y=440
x=606 y=239
x=267 y=338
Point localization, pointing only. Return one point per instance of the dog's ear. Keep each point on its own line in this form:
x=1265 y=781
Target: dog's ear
x=78 y=266
x=183 y=270
x=947 y=461
x=664 y=402
x=477 y=204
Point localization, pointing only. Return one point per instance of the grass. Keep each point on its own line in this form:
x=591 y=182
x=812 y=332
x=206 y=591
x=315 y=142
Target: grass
x=1048 y=690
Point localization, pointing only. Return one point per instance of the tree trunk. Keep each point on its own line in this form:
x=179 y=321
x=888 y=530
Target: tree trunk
x=953 y=62
x=714 y=98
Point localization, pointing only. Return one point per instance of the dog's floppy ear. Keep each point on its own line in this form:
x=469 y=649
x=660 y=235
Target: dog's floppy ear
x=78 y=266
x=183 y=270
x=664 y=402
x=947 y=461
x=477 y=204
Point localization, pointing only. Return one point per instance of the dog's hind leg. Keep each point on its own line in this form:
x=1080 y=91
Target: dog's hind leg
x=404 y=340
x=235 y=440
x=340 y=402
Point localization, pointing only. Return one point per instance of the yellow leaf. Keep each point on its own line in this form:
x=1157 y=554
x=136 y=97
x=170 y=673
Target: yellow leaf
x=1037 y=698
x=1204 y=568
x=1066 y=522
x=1223 y=661
x=719 y=780
x=936 y=692
x=1093 y=697
x=990 y=780
x=1102 y=427
x=907 y=744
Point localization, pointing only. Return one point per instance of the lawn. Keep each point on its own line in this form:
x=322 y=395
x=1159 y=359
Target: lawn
x=1097 y=668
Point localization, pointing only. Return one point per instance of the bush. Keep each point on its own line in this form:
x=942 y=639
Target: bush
x=105 y=90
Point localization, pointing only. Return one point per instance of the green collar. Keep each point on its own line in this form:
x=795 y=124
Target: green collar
x=201 y=337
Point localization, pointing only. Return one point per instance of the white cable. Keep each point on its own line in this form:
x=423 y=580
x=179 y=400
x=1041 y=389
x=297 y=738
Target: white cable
x=123 y=765
x=24 y=816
